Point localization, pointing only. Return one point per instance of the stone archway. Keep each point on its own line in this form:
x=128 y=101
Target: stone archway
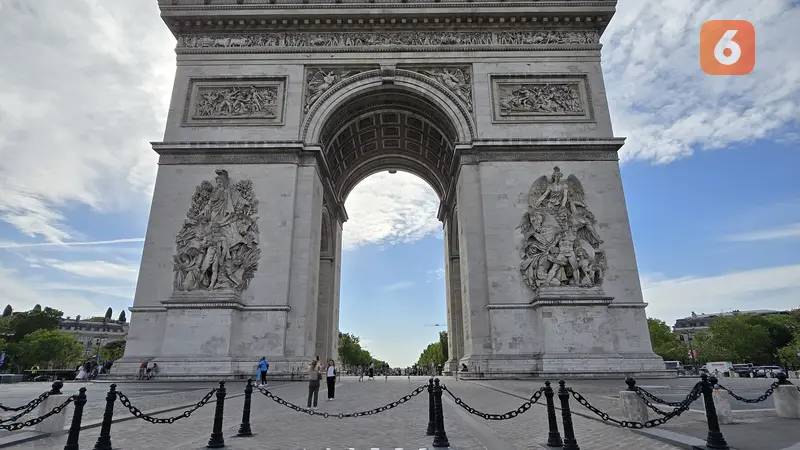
x=373 y=126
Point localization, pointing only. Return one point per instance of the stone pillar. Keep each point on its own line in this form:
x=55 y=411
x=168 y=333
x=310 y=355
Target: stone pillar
x=722 y=404
x=305 y=265
x=337 y=278
x=633 y=407
x=325 y=322
x=787 y=401
x=472 y=252
x=452 y=271
x=54 y=425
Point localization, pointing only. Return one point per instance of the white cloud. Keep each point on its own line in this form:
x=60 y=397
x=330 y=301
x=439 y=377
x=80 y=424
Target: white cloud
x=436 y=274
x=784 y=232
x=769 y=288
x=664 y=103
x=391 y=208
x=62 y=245
x=23 y=293
x=98 y=269
x=399 y=285
x=87 y=91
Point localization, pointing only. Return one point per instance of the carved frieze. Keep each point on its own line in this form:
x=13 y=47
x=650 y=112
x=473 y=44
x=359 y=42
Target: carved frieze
x=532 y=98
x=457 y=79
x=217 y=249
x=320 y=79
x=560 y=249
x=381 y=40
x=235 y=101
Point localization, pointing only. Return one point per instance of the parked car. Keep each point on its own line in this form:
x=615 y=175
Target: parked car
x=744 y=370
x=676 y=366
x=767 y=371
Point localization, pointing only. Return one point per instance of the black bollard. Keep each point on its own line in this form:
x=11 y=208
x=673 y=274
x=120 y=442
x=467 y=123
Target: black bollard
x=77 y=415
x=782 y=379
x=570 y=443
x=244 y=428
x=439 y=436
x=217 y=440
x=714 y=440
x=631 y=382
x=553 y=437
x=56 y=387
x=104 y=440
x=431 y=430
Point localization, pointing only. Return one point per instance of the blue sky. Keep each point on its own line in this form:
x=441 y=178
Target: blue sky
x=709 y=169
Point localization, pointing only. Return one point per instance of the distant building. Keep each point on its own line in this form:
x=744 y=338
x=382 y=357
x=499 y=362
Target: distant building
x=94 y=334
x=687 y=327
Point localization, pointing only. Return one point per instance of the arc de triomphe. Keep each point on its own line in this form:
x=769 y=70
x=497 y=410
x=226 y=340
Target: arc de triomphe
x=280 y=107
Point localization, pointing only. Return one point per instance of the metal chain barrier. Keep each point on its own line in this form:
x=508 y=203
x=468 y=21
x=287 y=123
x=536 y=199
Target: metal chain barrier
x=759 y=399
x=326 y=415
x=36 y=420
x=505 y=416
x=643 y=393
x=30 y=406
x=136 y=412
x=693 y=395
x=647 y=397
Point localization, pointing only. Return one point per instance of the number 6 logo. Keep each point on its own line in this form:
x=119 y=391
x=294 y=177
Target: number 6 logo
x=727 y=47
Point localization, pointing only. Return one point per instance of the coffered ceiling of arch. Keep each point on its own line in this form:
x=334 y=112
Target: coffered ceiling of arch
x=390 y=126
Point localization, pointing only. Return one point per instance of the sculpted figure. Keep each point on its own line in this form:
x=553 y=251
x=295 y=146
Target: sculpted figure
x=217 y=248
x=320 y=81
x=457 y=80
x=560 y=246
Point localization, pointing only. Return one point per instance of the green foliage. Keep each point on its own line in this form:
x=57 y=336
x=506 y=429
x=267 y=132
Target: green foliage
x=7 y=311
x=122 y=317
x=37 y=308
x=97 y=319
x=666 y=344
x=444 y=345
x=50 y=349
x=351 y=353
x=432 y=354
x=19 y=325
x=109 y=312
x=710 y=349
x=112 y=351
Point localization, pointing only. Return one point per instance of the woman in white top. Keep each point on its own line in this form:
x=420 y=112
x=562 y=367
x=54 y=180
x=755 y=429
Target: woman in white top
x=331 y=379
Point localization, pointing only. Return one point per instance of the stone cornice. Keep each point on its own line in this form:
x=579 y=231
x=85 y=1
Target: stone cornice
x=623 y=305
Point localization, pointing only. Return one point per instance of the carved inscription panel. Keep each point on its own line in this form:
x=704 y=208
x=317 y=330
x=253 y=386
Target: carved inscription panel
x=235 y=102
x=535 y=98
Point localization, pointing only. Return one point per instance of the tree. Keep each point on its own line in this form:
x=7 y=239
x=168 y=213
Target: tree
x=112 y=351
x=49 y=348
x=444 y=344
x=109 y=312
x=21 y=324
x=432 y=354
x=122 y=317
x=665 y=343
x=745 y=337
x=37 y=308
x=349 y=349
x=710 y=349
x=7 y=312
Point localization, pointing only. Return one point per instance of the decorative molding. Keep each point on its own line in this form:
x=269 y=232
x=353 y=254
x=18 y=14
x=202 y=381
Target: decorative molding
x=235 y=101
x=541 y=98
x=387 y=41
x=137 y=309
x=540 y=303
x=227 y=157
x=458 y=79
x=575 y=155
x=319 y=80
x=388 y=72
x=510 y=306
x=223 y=5
x=624 y=305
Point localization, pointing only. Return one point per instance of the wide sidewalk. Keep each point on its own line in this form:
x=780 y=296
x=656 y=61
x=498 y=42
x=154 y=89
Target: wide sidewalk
x=279 y=427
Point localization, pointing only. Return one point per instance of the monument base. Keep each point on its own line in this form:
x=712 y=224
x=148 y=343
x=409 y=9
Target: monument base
x=211 y=368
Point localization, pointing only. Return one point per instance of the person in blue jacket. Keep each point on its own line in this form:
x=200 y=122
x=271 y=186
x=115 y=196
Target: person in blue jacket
x=263 y=367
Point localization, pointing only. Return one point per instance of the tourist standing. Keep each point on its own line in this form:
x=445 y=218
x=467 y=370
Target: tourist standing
x=331 y=379
x=263 y=368
x=371 y=370
x=313 y=384
x=360 y=374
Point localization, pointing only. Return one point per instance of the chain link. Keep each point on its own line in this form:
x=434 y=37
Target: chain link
x=30 y=406
x=505 y=416
x=326 y=415
x=136 y=412
x=35 y=421
x=643 y=393
x=693 y=395
x=759 y=399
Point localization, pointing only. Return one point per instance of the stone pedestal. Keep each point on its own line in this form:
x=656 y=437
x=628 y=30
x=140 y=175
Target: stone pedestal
x=54 y=424
x=633 y=407
x=787 y=401
x=723 y=406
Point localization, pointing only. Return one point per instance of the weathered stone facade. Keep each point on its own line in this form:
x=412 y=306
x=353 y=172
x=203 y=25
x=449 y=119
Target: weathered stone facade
x=304 y=99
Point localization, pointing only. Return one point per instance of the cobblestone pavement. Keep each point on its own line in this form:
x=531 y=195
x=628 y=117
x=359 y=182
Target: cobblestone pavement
x=280 y=428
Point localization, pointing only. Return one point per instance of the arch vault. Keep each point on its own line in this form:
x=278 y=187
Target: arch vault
x=280 y=109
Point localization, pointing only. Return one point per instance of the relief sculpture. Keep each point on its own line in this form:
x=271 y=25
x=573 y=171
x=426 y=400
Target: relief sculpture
x=217 y=248
x=540 y=98
x=237 y=102
x=320 y=80
x=457 y=80
x=560 y=244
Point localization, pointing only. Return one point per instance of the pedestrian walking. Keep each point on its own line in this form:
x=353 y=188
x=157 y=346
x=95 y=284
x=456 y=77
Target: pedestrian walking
x=331 y=380
x=371 y=370
x=360 y=374
x=263 y=368
x=313 y=384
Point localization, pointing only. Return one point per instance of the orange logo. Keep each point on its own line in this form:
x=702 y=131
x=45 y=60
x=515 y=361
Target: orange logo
x=727 y=47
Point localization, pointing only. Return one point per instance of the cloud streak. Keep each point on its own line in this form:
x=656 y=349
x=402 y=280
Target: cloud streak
x=6 y=245
x=785 y=232
x=399 y=285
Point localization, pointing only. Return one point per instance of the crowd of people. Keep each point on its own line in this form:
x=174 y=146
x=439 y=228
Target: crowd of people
x=90 y=370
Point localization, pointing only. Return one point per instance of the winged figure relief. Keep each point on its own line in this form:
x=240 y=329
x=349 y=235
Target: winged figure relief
x=320 y=80
x=456 y=80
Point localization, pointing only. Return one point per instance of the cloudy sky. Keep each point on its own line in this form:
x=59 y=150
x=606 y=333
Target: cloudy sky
x=709 y=168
